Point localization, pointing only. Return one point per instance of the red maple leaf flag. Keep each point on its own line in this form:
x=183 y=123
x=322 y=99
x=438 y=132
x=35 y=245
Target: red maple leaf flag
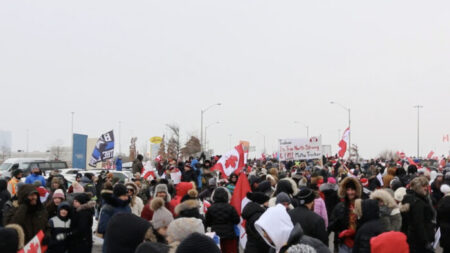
x=34 y=245
x=430 y=155
x=232 y=161
x=238 y=201
x=343 y=144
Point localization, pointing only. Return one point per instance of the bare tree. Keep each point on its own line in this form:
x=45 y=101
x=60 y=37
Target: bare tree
x=191 y=147
x=162 y=149
x=173 y=145
x=388 y=155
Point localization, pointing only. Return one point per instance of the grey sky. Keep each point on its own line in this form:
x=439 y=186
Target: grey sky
x=148 y=63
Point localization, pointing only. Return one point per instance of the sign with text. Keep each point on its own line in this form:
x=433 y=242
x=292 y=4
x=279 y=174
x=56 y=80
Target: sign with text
x=300 y=149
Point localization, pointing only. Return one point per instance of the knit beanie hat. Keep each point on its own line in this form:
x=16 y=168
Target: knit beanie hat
x=331 y=180
x=152 y=247
x=181 y=228
x=445 y=188
x=399 y=194
x=258 y=197
x=77 y=187
x=282 y=197
x=161 y=216
x=198 y=243
x=59 y=194
x=305 y=195
x=301 y=248
x=83 y=198
x=120 y=190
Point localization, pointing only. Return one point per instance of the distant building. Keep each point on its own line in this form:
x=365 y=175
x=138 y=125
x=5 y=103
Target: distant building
x=5 y=144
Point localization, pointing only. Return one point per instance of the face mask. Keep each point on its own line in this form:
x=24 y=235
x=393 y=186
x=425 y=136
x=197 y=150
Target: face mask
x=36 y=173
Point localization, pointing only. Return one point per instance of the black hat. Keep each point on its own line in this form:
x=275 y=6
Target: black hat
x=83 y=198
x=198 y=243
x=264 y=186
x=305 y=195
x=120 y=190
x=16 y=172
x=258 y=197
x=155 y=247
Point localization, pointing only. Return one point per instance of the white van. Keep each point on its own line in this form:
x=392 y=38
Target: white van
x=16 y=163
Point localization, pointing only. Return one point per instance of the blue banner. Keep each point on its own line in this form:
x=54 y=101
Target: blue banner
x=104 y=149
x=79 y=150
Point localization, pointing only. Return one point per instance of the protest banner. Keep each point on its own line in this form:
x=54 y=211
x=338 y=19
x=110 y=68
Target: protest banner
x=300 y=149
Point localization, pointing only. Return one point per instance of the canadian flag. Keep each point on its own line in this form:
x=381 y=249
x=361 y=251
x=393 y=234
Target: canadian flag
x=233 y=161
x=238 y=201
x=430 y=155
x=34 y=246
x=148 y=171
x=343 y=144
x=206 y=205
x=445 y=138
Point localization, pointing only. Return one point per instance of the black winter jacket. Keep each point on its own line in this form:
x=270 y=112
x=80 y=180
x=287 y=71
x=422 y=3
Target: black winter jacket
x=298 y=237
x=312 y=224
x=81 y=227
x=221 y=216
x=369 y=226
x=255 y=243
x=444 y=221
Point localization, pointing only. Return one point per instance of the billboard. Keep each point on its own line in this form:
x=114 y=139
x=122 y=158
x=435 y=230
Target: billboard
x=79 y=151
x=300 y=149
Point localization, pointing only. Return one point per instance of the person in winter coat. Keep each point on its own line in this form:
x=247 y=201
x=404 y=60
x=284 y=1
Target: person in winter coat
x=232 y=180
x=5 y=196
x=81 y=224
x=312 y=224
x=389 y=176
x=389 y=211
x=443 y=216
x=198 y=171
x=198 y=243
x=329 y=191
x=31 y=214
x=35 y=176
x=136 y=203
x=137 y=164
x=278 y=231
x=181 y=228
x=343 y=221
x=436 y=193
x=288 y=186
x=181 y=189
x=117 y=202
x=161 y=219
x=251 y=213
x=10 y=206
x=161 y=191
x=12 y=238
x=222 y=217
x=52 y=206
x=154 y=247
x=189 y=174
x=190 y=206
x=419 y=216
x=125 y=232
x=60 y=229
x=206 y=194
x=368 y=224
x=88 y=184
x=16 y=176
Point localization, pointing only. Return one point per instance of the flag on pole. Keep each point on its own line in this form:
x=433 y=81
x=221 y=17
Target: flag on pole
x=238 y=201
x=343 y=144
x=104 y=149
x=233 y=161
x=34 y=246
x=430 y=155
x=411 y=162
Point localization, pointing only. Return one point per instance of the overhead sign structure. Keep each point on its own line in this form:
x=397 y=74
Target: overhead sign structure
x=300 y=149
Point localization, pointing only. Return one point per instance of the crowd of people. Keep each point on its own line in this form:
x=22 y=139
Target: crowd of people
x=375 y=206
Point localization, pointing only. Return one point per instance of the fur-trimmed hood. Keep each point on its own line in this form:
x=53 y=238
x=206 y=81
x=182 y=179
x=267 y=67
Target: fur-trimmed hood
x=385 y=197
x=20 y=234
x=221 y=194
x=187 y=205
x=343 y=186
x=328 y=187
x=88 y=205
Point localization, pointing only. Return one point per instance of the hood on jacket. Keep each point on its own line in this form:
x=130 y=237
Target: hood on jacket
x=347 y=181
x=26 y=190
x=251 y=209
x=282 y=186
x=328 y=187
x=385 y=197
x=391 y=171
x=221 y=195
x=417 y=185
x=64 y=205
x=182 y=188
x=133 y=186
x=367 y=209
x=89 y=205
x=277 y=224
x=187 y=205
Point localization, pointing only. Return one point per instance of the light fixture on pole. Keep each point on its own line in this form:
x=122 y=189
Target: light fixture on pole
x=349 y=127
x=306 y=126
x=418 y=133
x=201 y=123
x=264 y=140
x=206 y=130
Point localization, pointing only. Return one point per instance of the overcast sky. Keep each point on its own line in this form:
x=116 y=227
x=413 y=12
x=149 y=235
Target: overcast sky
x=150 y=63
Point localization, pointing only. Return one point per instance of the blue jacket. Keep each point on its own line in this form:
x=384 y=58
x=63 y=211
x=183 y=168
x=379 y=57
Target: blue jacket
x=199 y=173
x=32 y=177
x=119 y=164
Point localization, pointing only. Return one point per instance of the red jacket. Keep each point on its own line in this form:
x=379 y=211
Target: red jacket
x=389 y=242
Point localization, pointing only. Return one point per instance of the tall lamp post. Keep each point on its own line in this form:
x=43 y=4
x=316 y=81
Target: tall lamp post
x=418 y=133
x=306 y=126
x=349 y=123
x=206 y=130
x=201 y=123
x=264 y=140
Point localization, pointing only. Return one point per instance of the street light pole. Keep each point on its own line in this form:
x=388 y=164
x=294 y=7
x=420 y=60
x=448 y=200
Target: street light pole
x=349 y=127
x=71 y=133
x=418 y=133
x=201 y=123
x=120 y=137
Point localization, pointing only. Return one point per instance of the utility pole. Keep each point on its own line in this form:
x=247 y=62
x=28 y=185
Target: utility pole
x=418 y=124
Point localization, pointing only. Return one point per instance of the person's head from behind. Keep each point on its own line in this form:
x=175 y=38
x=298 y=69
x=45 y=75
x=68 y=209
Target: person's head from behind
x=306 y=197
x=140 y=157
